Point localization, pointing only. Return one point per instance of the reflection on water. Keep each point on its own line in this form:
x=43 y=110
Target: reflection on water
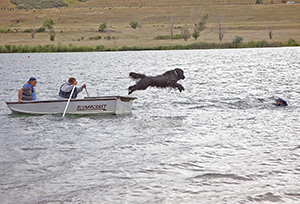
x=219 y=141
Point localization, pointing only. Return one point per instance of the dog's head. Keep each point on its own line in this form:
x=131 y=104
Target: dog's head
x=179 y=73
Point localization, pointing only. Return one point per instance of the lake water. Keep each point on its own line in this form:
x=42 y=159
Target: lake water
x=219 y=141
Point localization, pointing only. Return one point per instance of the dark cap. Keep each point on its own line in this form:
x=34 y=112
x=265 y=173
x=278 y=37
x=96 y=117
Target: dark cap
x=31 y=79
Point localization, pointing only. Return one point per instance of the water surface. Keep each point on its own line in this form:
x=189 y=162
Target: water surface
x=219 y=141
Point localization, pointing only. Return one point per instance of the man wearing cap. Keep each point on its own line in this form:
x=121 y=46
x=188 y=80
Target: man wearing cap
x=66 y=89
x=27 y=92
x=280 y=102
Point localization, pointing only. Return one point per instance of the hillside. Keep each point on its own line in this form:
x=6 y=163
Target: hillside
x=81 y=20
x=125 y=3
x=171 y=2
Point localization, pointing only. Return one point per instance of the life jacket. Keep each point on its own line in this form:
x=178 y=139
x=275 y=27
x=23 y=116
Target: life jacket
x=33 y=96
x=67 y=94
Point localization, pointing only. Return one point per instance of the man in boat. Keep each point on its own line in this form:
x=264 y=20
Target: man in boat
x=66 y=89
x=280 y=102
x=27 y=92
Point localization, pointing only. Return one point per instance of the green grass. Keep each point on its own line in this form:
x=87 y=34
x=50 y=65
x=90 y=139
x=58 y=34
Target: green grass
x=30 y=4
x=198 y=45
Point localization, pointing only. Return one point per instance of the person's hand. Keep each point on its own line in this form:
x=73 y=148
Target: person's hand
x=83 y=86
x=20 y=100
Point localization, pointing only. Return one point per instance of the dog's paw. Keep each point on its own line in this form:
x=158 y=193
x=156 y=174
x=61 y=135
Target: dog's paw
x=180 y=87
x=130 y=90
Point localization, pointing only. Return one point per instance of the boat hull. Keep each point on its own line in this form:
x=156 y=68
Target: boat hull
x=87 y=106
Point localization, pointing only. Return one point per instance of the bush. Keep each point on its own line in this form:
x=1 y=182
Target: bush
x=185 y=33
x=162 y=37
x=257 y=44
x=167 y=37
x=292 y=42
x=237 y=40
x=27 y=31
x=41 y=29
x=7 y=31
x=134 y=24
x=100 y=47
x=98 y=37
x=102 y=27
x=11 y=48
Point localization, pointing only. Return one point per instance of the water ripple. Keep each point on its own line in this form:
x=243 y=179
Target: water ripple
x=219 y=141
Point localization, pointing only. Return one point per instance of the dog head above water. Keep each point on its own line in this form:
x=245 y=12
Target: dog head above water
x=179 y=73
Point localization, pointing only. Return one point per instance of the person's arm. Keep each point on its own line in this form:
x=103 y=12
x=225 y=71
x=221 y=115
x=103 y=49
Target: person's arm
x=20 y=95
x=81 y=88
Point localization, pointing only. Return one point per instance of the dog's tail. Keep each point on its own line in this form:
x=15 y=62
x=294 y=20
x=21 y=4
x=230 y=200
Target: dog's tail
x=136 y=75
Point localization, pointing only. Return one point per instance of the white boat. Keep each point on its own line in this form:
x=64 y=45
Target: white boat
x=87 y=106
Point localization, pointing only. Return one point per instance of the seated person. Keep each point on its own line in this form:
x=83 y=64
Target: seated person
x=27 y=92
x=280 y=102
x=66 y=89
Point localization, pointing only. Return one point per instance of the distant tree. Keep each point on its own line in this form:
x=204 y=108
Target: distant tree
x=219 y=26
x=196 y=33
x=199 y=25
x=259 y=1
x=48 y=23
x=32 y=31
x=134 y=24
x=202 y=23
x=185 y=33
x=270 y=32
x=108 y=32
x=52 y=35
x=221 y=31
x=103 y=27
x=172 y=20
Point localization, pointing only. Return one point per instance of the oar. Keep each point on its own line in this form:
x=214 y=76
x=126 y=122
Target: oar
x=86 y=92
x=68 y=102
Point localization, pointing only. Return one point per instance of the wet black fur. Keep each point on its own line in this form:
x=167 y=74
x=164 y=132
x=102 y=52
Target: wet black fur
x=168 y=79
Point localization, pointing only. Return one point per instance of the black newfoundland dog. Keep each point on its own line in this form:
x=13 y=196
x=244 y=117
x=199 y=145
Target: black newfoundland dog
x=168 y=79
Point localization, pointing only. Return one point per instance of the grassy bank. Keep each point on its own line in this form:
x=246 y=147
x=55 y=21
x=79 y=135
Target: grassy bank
x=79 y=26
x=198 y=45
